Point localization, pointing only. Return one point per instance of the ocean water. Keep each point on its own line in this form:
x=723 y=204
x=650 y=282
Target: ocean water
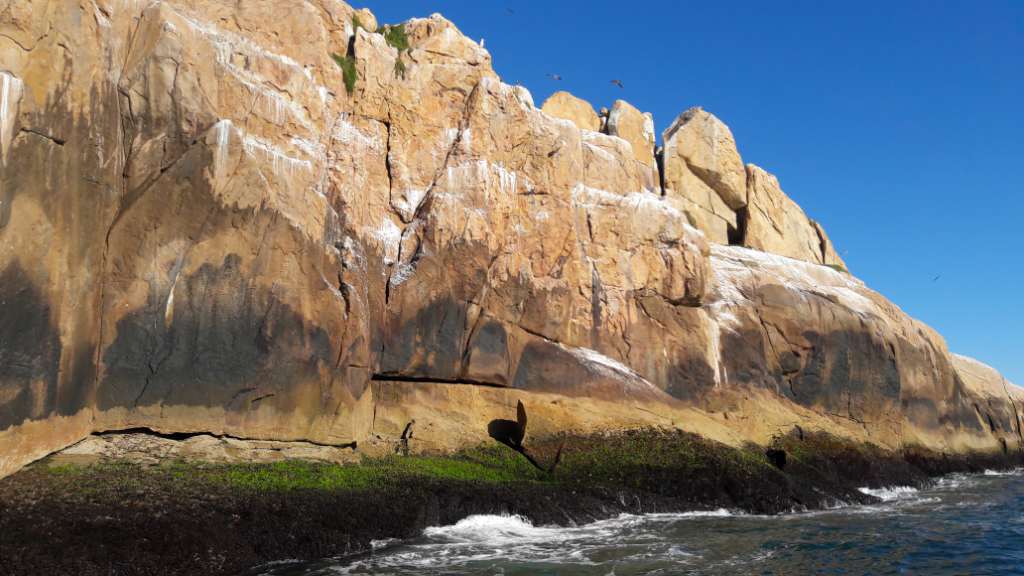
x=964 y=524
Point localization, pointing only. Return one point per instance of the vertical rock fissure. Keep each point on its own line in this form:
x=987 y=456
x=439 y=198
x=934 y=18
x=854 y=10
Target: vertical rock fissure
x=596 y=295
x=659 y=165
x=1016 y=414
x=126 y=150
x=822 y=243
x=738 y=236
x=428 y=194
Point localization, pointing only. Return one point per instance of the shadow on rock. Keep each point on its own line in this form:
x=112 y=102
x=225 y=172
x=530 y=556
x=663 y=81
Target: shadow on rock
x=512 y=432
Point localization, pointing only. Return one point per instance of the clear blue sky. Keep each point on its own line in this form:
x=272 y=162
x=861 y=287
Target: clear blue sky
x=898 y=125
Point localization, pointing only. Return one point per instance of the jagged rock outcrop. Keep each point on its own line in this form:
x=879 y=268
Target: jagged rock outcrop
x=576 y=110
x=998 y=403
x=774 y=223
x=703 y=170
x=823 y=340
x=636 y=128
x=261 y=220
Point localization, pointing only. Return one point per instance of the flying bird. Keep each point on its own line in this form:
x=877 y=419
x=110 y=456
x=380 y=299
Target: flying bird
x=618 y=83
x=936 y=279
x=510 y=11
x=555 y=76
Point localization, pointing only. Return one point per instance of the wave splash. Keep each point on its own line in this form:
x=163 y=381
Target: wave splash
x=479 y=541
x=890 y=493
x=720 y=542
x=1014 y=472
x=511 y=529
x=493 y=529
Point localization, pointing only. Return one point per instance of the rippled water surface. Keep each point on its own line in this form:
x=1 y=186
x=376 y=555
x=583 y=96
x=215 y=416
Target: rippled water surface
x=963 y=525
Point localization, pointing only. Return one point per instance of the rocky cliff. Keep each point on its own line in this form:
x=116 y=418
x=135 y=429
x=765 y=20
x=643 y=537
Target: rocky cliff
x=285 y=221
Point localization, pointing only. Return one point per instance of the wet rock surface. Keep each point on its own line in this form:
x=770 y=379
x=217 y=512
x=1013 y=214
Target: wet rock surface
x=181 y=518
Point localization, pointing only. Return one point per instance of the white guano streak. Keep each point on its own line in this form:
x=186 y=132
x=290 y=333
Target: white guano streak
x=223 y=143
x=10 y=87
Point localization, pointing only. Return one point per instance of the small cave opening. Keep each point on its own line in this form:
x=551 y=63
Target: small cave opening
x=738 y=234
x=777 y=457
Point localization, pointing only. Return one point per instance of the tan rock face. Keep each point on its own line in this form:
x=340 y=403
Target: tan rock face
x=998 y=403
x=203 y=230
x=706 y=146
x=703 y=169
x=824 y=341
x=636 y=128
x=576 y=110
x=775 y=223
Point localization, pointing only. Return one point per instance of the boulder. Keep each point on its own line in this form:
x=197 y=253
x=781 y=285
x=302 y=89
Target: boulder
x=702 y=168
x=635 y=127
x=704 y=145
x=576 y=110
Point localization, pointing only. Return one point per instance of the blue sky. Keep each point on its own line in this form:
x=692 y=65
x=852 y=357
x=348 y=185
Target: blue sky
x=898 y=125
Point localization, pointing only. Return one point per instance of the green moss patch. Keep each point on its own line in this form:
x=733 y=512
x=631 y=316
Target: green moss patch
x=348 y=71
x=395 y=36
x=185 y=518
x=483 y=465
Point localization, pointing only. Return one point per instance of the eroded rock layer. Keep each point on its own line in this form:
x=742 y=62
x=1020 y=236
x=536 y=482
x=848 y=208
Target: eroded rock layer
x=283 y=221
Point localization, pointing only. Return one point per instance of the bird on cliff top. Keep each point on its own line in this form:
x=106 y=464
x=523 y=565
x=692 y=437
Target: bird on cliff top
x=618 y=83
x=555 y=76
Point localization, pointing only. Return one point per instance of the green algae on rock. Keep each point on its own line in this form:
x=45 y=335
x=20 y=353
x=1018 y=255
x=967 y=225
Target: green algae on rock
x=191 y=517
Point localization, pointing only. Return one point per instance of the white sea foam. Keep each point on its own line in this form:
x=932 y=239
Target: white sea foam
x=481 y=540
x=1014 y=472
x=955 y=482
x=493 y=529
x=507 y=529
x=890 y=493
x=384 y=543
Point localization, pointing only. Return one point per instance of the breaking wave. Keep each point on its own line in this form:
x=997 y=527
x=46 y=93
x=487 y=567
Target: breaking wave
x=945 y=528
x=891 y=493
